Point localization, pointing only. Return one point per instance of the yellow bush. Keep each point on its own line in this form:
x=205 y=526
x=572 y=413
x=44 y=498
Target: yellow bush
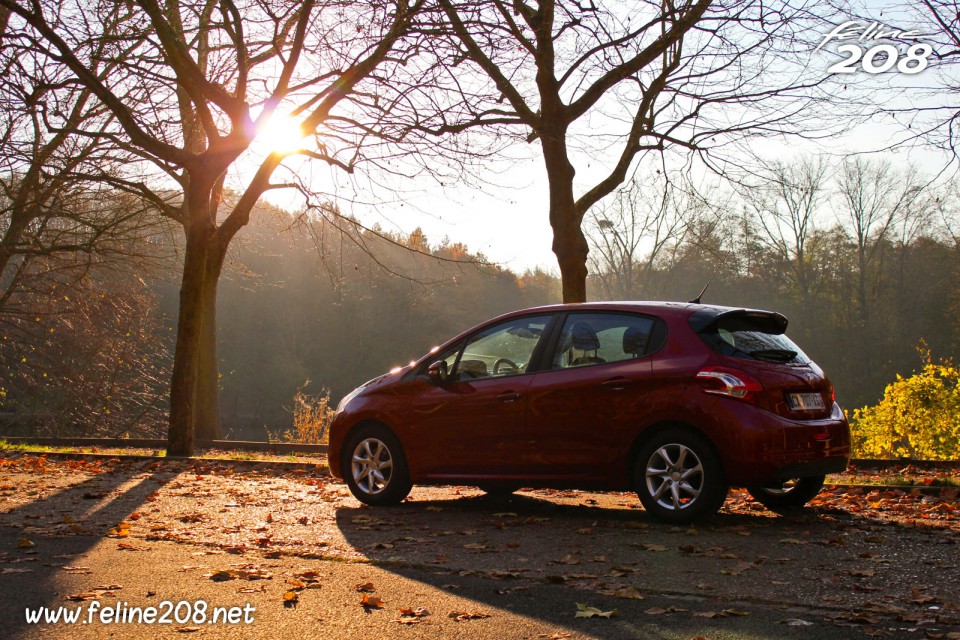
x=918 y=417
x=312 y=415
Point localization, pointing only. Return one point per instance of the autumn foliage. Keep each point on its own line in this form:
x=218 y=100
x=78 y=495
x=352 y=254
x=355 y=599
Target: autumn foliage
x=312 y=415
x=918 y=417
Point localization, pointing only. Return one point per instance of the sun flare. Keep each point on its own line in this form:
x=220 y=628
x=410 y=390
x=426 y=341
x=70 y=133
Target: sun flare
x=282 y=134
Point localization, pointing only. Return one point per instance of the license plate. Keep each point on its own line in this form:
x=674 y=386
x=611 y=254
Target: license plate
x=805 y=401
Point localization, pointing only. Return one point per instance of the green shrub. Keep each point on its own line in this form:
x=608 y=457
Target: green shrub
x=918 y=417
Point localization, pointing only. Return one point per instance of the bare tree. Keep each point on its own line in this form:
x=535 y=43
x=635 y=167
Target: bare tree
x=929 y=112
x=191 y=84
x=53 y=196
x=783 y=207
x=875 y=199
x=631 y=236
x=597 y=86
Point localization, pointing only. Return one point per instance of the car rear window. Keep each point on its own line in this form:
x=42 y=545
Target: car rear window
x=752 y=337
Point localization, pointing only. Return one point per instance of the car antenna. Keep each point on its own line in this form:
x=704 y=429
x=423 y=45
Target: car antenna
x=704 y=290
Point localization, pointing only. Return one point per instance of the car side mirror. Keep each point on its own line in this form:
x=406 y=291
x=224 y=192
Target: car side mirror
x=438 y=373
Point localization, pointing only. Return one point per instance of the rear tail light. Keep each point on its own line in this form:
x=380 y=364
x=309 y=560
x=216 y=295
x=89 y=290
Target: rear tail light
x=733 y=383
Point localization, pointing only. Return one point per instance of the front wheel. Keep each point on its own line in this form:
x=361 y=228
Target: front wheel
x=787 y=494
x=375 y=467
x=679 y=477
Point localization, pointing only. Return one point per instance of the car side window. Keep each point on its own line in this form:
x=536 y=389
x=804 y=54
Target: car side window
x=597 y=338
x=501 y=350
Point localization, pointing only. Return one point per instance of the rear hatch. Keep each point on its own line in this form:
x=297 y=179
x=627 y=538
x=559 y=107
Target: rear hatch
x=755 y=343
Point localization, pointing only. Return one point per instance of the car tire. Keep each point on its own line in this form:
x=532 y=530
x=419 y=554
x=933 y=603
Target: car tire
x=499 y=491
x=679 y=477
x=790 y=494
x=375 y=467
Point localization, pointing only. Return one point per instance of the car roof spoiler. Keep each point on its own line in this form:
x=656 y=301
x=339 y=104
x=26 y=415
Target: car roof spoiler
x=738 y=320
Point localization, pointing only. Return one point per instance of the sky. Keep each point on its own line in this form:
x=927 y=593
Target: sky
x=504 y=215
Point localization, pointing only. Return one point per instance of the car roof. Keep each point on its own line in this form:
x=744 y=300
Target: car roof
x=659 y=306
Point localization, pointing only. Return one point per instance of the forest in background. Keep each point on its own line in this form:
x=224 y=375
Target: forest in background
x=862 y=257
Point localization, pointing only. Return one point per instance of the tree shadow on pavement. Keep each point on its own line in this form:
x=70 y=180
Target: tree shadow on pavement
x=39 y=537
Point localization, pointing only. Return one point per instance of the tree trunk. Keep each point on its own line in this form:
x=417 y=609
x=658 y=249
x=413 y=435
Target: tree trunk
x=186 y=358
x=207 y=419
x=570 y=247
x=569 y=244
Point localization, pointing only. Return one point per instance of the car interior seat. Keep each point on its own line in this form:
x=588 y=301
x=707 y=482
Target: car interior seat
x=635 y=341
x=583 y=339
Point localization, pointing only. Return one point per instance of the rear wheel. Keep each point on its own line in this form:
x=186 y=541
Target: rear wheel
x=679 y=477
x=787 y=494
x=375 y=467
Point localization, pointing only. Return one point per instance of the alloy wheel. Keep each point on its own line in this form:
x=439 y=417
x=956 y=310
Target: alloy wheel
x=674 y=476
x=372 y=466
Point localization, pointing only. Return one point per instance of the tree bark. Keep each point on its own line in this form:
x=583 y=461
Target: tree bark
x=569 y=244
x=186 y=358
x=201 y=236
x=207 y=419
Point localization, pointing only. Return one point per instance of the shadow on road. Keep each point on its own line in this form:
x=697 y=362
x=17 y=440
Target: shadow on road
x=539 y=556
x=63 y=525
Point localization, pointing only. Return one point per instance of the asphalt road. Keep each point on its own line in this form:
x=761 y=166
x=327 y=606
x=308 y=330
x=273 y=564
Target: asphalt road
x=509 y=568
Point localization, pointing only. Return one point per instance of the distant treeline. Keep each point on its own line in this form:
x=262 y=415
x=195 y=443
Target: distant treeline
x=86 y=346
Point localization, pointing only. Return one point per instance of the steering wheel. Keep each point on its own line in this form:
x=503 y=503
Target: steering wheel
x=512 y=366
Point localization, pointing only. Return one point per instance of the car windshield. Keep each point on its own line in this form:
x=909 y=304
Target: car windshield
x=753 y=339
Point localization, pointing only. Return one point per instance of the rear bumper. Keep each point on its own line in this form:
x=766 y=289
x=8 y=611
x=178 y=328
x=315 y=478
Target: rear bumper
x=768 y=447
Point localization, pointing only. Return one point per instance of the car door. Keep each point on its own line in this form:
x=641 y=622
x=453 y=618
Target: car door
x=594 y=385
x=473 y=424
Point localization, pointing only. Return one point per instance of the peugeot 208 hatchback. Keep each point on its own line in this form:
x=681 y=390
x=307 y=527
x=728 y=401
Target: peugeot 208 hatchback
x=675 y=401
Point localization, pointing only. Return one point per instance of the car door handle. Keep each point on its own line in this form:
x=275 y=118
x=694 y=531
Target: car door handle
x=508 y=396
x=617 y=383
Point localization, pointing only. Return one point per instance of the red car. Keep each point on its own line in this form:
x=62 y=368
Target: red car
x=676 y=401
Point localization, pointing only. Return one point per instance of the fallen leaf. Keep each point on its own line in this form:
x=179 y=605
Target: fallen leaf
x=657 y=611
x=409 y=615
x=710 y=614
x=371 y=601
x=628 y=593
x=462 y=616
x=919 y=597
x=24 y=543
x=79 y=597
x=365 y=586
x=585 y=611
